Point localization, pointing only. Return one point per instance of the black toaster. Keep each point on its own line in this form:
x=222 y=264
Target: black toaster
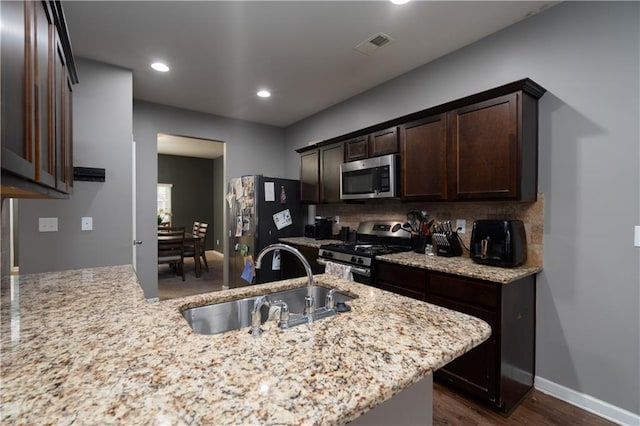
x=498 y=243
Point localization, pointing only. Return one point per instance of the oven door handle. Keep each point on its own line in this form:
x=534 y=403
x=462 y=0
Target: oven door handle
x=354 y=269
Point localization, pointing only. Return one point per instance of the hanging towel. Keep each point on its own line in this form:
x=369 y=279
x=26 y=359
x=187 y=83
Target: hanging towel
x=339 y=270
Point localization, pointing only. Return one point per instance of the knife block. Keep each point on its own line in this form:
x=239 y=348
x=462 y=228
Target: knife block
x=447 y=244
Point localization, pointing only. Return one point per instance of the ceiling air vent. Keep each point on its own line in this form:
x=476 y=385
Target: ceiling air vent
x=373 y=43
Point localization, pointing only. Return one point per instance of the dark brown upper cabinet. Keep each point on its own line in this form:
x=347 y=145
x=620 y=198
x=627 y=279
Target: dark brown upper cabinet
x=383 y=142
x=357 y=148
x=310 y=177
x=375 y=144
x=493 y=149
x=320 y=174
x=423 y=154
x=481 y=147
x=331 y=157
x=38 y=71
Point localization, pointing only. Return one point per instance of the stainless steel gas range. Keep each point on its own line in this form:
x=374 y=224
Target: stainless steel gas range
x=373 y=238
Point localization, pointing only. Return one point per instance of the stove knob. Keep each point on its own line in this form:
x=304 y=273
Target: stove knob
x=328 y=254
x=353 y=259
x=360 y=261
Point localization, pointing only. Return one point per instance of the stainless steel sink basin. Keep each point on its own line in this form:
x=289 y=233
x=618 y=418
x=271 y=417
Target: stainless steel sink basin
x=236 y=314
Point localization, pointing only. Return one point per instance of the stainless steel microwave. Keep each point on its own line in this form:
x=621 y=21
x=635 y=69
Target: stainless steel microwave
x=370 y=178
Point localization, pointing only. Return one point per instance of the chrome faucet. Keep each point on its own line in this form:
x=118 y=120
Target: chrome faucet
x=329 y=301
x=309 y=303
x=256 y=316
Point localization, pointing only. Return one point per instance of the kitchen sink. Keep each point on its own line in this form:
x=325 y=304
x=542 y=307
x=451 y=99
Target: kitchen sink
x=236 y=314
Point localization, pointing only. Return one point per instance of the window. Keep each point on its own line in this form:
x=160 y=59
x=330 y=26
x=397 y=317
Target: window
x=164 y=203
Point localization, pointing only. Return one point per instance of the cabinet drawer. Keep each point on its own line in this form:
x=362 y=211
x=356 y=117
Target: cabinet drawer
x=403 y=291
x=474 y=292
x=406 y=277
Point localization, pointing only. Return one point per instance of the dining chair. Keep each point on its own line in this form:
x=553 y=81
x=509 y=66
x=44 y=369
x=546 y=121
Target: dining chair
x=171 y=249
x=200 y=231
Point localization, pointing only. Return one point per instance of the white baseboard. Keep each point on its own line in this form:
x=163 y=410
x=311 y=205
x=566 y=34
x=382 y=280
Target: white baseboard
x=588 y=403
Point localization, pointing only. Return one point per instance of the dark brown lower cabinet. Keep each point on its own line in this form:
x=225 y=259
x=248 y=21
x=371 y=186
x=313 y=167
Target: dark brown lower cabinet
x=292 y=267
x=401 y=279
x=500 y=371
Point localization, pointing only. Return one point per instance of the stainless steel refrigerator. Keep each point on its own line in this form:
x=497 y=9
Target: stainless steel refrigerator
x=260 y=211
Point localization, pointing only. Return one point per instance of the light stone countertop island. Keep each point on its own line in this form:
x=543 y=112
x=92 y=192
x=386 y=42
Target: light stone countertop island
x=85 y=347
x=459 y=265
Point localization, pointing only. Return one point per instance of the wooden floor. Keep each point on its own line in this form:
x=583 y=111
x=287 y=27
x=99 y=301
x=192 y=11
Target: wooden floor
x=538 y=409
x=171 y=286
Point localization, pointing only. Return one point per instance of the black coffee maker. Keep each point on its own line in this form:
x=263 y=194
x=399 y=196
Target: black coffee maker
x=498 y=243
x=323 y=228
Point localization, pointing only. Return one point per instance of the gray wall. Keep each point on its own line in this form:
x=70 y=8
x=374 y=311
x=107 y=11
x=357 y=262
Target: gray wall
x=587 y=56
x=250 y=148
x=192 y=192
x=102 y=130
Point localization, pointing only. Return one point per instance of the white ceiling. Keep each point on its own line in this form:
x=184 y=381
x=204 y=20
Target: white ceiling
x=189 y=147
x=221 y=53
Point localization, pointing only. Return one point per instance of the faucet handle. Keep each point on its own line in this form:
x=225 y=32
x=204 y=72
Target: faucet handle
x=283 y=313
x=329 y=301
x=256 y=318
x=308 y=308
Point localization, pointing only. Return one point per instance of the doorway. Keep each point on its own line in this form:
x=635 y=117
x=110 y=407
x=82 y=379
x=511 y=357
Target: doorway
x=190 y=189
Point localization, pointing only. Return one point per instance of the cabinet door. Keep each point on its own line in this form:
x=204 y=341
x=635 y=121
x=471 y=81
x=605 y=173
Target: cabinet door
x=291 y=267
x=44 y=114
x=309 y=177
x=67 y=132
x=60 y=142
x=331 y=157
x=483 y=154
x=404 y=280
x=423 y=148
x=383 y=142
x=17 y=91
x=357 y=149
x=477 y=371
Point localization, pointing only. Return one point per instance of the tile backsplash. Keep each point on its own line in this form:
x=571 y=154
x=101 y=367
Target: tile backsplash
x=532 y=214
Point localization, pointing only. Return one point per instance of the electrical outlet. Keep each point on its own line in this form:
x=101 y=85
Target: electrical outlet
x=217 y=242
x=87 y=224
x=337 y=220
x=461 y=226
x=636 y=236
x=47 y=224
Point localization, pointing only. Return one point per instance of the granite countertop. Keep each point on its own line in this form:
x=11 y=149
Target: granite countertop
x=309 y=242
x=461 y=265
x=85 y=347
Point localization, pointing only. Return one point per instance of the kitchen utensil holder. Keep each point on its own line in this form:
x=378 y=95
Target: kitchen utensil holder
x=419 y=242
x=446 y=244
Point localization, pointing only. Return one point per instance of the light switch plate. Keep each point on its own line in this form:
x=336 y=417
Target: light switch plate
x=461 y=226
x=87 y=224
x=636 y=236
x=47 y=224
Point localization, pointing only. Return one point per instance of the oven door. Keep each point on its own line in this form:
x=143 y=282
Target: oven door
x=360 y=274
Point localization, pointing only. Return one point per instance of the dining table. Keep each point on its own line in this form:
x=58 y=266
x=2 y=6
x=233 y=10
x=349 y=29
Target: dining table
x=188 y=238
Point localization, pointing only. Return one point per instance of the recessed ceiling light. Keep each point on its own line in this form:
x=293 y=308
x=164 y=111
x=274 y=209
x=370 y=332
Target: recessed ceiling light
x=264 y=93
x=159 y=66
x=399 y=1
